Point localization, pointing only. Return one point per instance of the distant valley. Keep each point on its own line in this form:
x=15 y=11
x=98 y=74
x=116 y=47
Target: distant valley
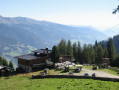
x=20 y=35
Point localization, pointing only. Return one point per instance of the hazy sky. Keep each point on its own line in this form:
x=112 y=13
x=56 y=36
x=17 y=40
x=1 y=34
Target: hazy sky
x=96 y=13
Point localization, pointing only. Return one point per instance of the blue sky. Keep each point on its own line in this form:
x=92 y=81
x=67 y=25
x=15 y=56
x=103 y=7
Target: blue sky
x=96 y=13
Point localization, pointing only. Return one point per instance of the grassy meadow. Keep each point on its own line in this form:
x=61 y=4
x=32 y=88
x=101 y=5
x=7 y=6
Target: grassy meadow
x=23 y=82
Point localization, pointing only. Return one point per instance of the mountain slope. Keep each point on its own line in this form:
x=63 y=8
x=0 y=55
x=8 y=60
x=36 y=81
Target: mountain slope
x=115 y=40
x=20 y=35
x=112 y=31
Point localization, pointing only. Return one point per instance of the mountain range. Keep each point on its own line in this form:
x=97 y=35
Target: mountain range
x=20 y=35
x=112 y=31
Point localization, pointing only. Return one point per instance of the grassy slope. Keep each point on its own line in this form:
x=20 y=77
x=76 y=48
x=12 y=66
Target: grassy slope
x=25 y=83
x=88 y=67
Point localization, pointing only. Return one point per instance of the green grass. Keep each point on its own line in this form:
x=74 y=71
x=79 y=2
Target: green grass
x=88 y=67
x=25 y=83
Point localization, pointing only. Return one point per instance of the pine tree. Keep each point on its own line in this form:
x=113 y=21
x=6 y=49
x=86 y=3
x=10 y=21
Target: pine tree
x=85 y=54
x=111 y=51
x=69 y=49
x=100 y=54
x=62 y=47
x=11 y=65
x=116 y=10
x=75 y=50
x=4 y=62
x=95 y=51
x=106 y=53
x=96 y=44
x=0 y=60
x=116 y=62
x=55 y=54
x=91 y=54
x=79 y=54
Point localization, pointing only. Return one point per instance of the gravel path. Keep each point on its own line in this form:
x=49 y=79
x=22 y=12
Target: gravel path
x=98 y=73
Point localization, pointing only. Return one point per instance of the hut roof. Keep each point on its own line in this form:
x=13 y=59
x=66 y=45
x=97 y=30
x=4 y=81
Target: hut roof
x=28 y=57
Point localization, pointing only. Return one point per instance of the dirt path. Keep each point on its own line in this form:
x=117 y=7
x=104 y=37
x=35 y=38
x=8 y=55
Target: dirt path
x=98 y=73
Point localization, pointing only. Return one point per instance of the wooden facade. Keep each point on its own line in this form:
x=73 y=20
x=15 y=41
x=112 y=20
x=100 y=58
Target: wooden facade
x=105 y=62
x=34 y=61
x=64 y=58
x=31 y=62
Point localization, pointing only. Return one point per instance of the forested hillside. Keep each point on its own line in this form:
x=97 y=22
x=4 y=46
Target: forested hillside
x=86 y=54
x=115 y=40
